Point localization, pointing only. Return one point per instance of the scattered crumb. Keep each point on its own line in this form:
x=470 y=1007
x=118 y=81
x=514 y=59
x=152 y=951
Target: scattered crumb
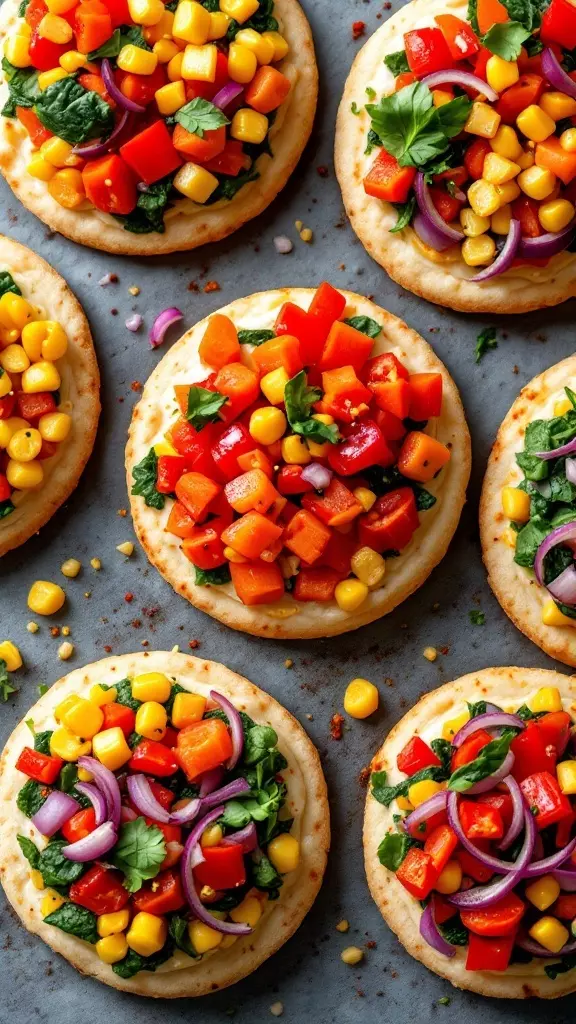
x=134 y=289
x=336 y=723
x=96 y=564
x=322 y=171
x=430 y=653
x=358 y=29
x=288 y=663
x=343 y=925
x=307 y=235
x=136 y=385
x=65 y=630
x=193 y=645
x=54 y=631
x=277 y=1009
x=122 y=512
x=211 y=286
x=65 y=651
x=128 y=597
x=32 y=627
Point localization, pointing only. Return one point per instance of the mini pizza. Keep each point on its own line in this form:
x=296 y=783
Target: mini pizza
x=456 y=153
x=165 y=827
x=49 y=393
x=298 y=463
x=141 y=128
x=528 y=512
x=469 y=835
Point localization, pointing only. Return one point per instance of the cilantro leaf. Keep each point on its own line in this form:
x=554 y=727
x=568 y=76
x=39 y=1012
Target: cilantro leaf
x=365 y=324
x=212 y=577
x=488 y=761
x=255 y=337
x=527 y=12
x=199 y=116
x=485 y=341
x=506 y=39
x=405 y=213
x=299 y=399
x=138 y=853
x=144 y=476
x=477 y=618
x=8 y=284
x=73 y=113
x=5 y=685
x=203 y=406
x=397 y=63
x=412 y=129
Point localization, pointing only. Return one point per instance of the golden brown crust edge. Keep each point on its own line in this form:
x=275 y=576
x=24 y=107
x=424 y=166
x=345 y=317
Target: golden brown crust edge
x=307 y=796
x=400 y=910
x=80 y=384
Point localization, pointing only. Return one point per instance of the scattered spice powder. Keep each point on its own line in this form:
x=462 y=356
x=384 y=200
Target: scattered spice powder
x=336 y=724
x=137 y=623
x=364 y=776
x=122 y=512
x=193 y=645
x=107 y=648
x=358 y=29
x=211 y=286
x=136 y=385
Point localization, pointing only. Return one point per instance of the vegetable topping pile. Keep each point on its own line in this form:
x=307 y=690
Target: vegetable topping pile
x=486 y=840
x=297 y=464
x=31 y=425
x=163 y=815
x=133 y=104
x=542 y=509
x=477 y=145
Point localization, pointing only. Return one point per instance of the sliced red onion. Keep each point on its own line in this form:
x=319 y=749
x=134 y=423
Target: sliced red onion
x=96 y=798
x=515 y=826
x=561 y=535
x=163 y=321
x=557 y=453
x=127 y=814
x=226 y=94
x=134 y=322
x=436 y=226
x=500 y=867
x=246 y=837
x=189 y=859
x=235 y=723
x=56 y=809
x=566 y=879
x=210 y=781
x=556 y=860
x=537 y=950
x=94 y=846
x=570 y=469
x=143 y=798
x=102 y=146
x=492 y=780
x=505 y=257
x=489 y=720
x=554 y=72
x=434 y=805
x=228 y=792
x=107 y=784
x=547 y=245
x=486 y=895
x=431 y=934
x=115 y=92
x=184 y=815
x=465 y=79
x=317 y=475
x=563 y=588
x=283 y=244
x=108 y=279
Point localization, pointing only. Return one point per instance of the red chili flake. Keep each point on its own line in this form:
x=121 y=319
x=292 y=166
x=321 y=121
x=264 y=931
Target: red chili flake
x=193 y=645
x=444 y=650
x=364 y=776
x=151 y=612
x=114 y=312
x=358 y=29
x=122 y=512
x=387 y=6
x=211 y=286
x=370 y=944
x=128 y=597
x=336 y=723
x=322 y=171
x=55 y=631
x=144 y=643
x=193 y=287
x=136 y=623
x=136 y=385
x=107 y=648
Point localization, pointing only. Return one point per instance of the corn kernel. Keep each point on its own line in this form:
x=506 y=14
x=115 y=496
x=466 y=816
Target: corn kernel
x=51 y=901
x=84 y=718
x=477 y=251
x=66 y=745
x=24 y=476
x=65 y=706
x=537 y=182
x=473 y=225
x=535 y=123
x=10 y=426
x=25 y=445
x=440 y=97
x=365 y=496
x=568 y=140
x=284 y=853
x=72 y=60
x=17 y=51
x=56 y=29
x=169 y=98
x=15 y=311
x=294 y=451
x=67 y=188
x=211 y=836
x=453 y=725
x=146 y=12
x=350 y=594
x=44 y=340
x=505 y=143
x=147 y=934
x=111 y=749
x=240 y=10
x=369 y=566
x=11 y=655
x=430 y=653
x=546 y=699
x=48 y=78
x=421 y=791
x=404 y=804
x=267 y=425
x=500 y=221
x=113 y=923
x=558 y=105
x=112 y=948
x=126 y=548
x=164 y=448
x=66 y=650
x=543 y=892
x=516 y=504
x=242 y=63
x=151 y=720
x=38 y=167
x=526 y=159
x=501 y=74
x=219 y=23
x=13 y=359
x=566 y=772
x=199 y=63
x=556 y=214
x=191 y=23
x=361 y=698
x=263 y=48
x=483 y=120
x=136 y=60
x=247 y=912
x=174 y=68
x=234 y=556
x=55 y=426
x=165 y=50
x=195 y=182
x=203 y=937
x=450 y=878
x=483 y=198
x=550 y=933
x=249 y=126
x=272 y=385
x=507 y=192
x=100 y=696
x=162 y=30
x=498 y=169
x=37 y=880
x=58 y=153
x=352 y=955
x=279 y=43
x=5 y=384
x=151 y=686
x=552 y=616
x=41 y=376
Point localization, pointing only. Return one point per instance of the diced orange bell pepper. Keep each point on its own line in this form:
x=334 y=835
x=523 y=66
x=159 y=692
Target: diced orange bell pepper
x=219 y=344
x=267 y=90
x=406 y=78
x=490 y=12
x=33 y=125
x=141 y=89
x=440 y=846
x=196 y=491
x=256 y=460
x=251 y=535
x=425 y=395
x=95 y=83
x=306 y=536
x=180 y=522
x=110 y=185
x=459 y=35
x=336 y=506
x=283 y=351
x=257 y=582
x=316 y=584
x=387 y=180
x=251 y=491
x=202 y=746
x=393 y=396
x=203 y=547
x=343 y=385
x=345 y=346
x=553 y=157
x=92 y=25
x=421 y=456
x=197 y=149
x=240 y=384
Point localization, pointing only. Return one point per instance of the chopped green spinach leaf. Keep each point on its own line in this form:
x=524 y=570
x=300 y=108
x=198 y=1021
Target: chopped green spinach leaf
x=72 y=112
x=75 y=920
x=144 y=476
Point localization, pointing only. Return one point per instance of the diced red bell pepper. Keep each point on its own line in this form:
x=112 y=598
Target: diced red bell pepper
x=385 y=367
x=393 y=396
x=391 y=522
x=427 y=51
x=7 y=406
x=151 y=154
x=480 y=821
x=503 y=804
x=196 y=445
x=426 y=828
x=470 y=749
x=489 y=954
x=447 y=206
x=230 y=161
x=502 y=918
x=35 y=11
x=415 y=756
x=119 y=12
x=460 y=37
x=44 y=54
x=559 y=24
x=289 y=481
x=387 y=180
x=110 y=185
x=443 y=910
x=153 y=758
x=203 y=746
x=565 y=906
x=526 y=91
x=345 y=346
x=531 y=753
x=472 y=866
x=425 y=396
x=474 y=158
x=222 y=867
x=5 y=489
x=392 y=428
x=38 y=766
x=295 y=321
x=118 y=716
x=100 y=890
x=79 y=825
x=417 y=873
x=364 y=446
x=316 y=584
x=337 y=505
x=327 y=305
x=338 y=552
x=32 y=407
x=440 y=846
x=543 y=794
x=525 y=210
x=555 y=728
x=48 y=449
x=141 y=89
x=161 y=896
x=33 y=125
x=168 y=472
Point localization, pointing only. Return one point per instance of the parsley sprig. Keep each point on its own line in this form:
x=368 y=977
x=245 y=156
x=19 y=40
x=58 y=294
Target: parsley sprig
x=199 y=116
x=203 y=406
x=412 y=129
x=299 y=399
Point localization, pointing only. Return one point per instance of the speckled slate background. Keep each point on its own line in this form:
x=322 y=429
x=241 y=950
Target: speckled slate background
x=307 y=975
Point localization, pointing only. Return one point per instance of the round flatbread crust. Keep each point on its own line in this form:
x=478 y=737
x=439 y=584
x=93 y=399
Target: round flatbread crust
x=289 y=619
x=515 y=587
x=447 y=279
x=306 y=799
x=505 y=687
x=201 y=224
x=41 y=285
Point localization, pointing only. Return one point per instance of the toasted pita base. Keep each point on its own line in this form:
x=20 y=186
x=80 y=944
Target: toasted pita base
x=515 y=587
x=202 y=224
x=505 y=687
x=447 y=279
x=306 y=800
x=41 y=285
x=288 y=618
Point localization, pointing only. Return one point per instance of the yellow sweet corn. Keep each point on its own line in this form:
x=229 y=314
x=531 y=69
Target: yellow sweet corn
x=174 y=67
x=526 y=159
x=272 y=385
x=543 y=892
x=557 y=105
x=112 y=948
x=5 y=384
x=165 y=50
x=51 y=901
x=568 y=140
x=203 y=937
x=211 y=836
x=404 y=804
x=562 y=407
x=55 y=426
x=499 y=169
x=453 y=725
x=84 y=718
x=11 y=655
x=163 y=29
x=37 y=880
x=146 y=12
x=350 y=594
x=483 y=198
x=56 y=29
x=15 y=311
x=477 y=251
x=66 y=745
x=472 y=224
x=17 y=51
x=369 y=566
x=45 y=598
x=25 y=445
x=199 y=65
x=169 y=98
x=450 y=878
x=84 y=775
x=249 y=911
x=65 y=706
x=516 y=504
x=187 y=708
x=552 y=616
x=151 y=720
x=535 y=123
x=111 y=924
x=72 y=60
x=501 y=74
x=506 y=143
x=352 y=955
x=147 y=934
x=38 y=167
x=249 y=126
x=550 y=933
x=263 y=48
x=164 y=448
x=234 y=556
x=566 y=772
x=191 y=23
x=546 y=699
x=365 y=496
x=59 y=153
x=100 y=696
x=537 y=182
x=440 y=97
x=483 y=120
x=240 y=10
x=294 y=451
x=361 y=698
x=24 y=476
x=284 y=853
x=556 y=214
x=111 y=749
x=242 y=63
x=136 y=60
x=500 y=221
x=10 y=426
x=41 y=376
x=219 y=23
x=267 y=425
x=47 y=78
x=13 y=359
x=421 y=791
x=151 y=686
x=60 y=6
x=279 y=43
